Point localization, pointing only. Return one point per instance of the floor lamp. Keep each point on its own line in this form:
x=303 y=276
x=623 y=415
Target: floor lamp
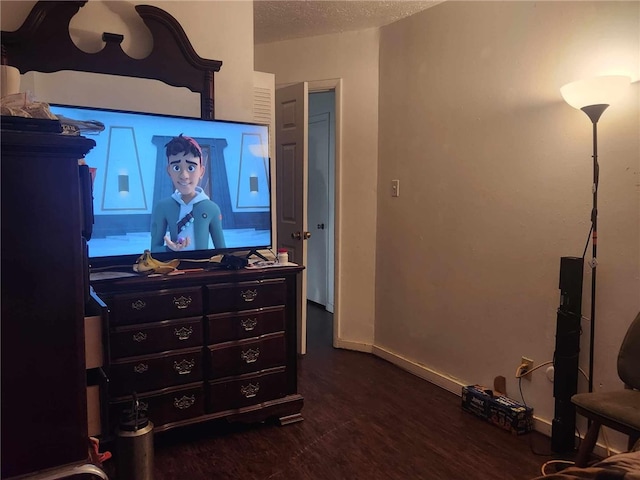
x=593 y=96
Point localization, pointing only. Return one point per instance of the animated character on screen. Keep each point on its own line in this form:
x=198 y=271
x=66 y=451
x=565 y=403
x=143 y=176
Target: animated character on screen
x=189 y=215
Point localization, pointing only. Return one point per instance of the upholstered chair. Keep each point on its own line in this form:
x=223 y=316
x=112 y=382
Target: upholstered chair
x=620 y=409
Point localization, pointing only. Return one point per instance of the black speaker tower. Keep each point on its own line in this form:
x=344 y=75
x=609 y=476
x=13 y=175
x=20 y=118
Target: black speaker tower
x=565 y=361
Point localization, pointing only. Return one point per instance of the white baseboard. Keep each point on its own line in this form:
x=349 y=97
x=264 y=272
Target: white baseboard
x=451 y=384
x=358 y=347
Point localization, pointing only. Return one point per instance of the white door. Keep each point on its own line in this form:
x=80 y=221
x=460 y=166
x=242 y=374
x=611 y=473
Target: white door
x=291 y=171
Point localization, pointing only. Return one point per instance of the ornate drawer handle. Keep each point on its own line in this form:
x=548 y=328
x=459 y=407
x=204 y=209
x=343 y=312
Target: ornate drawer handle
x=249 y=295
x=249 y=323
x=183 y=333
x=139 y=337
x=138 y=305
x=184 y=402
x=250 y=355
x=250 y=390
x=182 y=302
x=183 y=367
x=141 y=368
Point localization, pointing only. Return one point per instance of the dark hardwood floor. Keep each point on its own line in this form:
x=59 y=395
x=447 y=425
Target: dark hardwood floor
x=364 y=419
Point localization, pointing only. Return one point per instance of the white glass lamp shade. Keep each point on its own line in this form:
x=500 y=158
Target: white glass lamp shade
x=603 y=90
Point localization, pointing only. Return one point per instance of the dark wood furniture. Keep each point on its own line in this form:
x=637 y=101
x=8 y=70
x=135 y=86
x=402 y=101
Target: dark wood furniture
x=43 y=395
x=218 y=344
x=43 y=44
x=203 y=345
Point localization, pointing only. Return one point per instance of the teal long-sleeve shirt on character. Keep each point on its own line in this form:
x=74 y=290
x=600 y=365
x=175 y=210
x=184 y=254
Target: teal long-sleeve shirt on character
x=207 y=221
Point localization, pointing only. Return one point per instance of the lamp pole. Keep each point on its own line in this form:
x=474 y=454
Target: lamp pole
x=592 y=96
x=594 y=112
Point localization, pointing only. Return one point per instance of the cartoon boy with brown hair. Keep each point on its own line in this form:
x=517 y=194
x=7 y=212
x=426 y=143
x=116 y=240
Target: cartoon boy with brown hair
x=189 y=215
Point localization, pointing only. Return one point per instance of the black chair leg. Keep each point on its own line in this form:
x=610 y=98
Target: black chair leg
x=587 y=445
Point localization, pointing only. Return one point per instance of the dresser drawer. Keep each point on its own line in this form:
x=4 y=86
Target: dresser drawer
x=165 y=406
x=231 y=297
x=247 y=390
x=224 y=327
x=132 y=340
x=152 y=372
x=234 y=358
x=155 y=306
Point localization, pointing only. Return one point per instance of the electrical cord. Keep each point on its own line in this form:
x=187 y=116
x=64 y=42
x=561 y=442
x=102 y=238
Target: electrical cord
x=564 y=462
x=199 y=260
x=584 y=374
x=521 y=394
x=519 y=373
x=520 y=376
x=553 y=462
x=541 y=454
x=587 y=244
x=110 y=267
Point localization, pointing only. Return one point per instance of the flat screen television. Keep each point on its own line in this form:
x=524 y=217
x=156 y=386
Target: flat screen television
x=131 y=182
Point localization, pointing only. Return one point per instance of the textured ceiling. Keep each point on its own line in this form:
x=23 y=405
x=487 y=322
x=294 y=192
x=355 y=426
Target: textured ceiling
x=276 y=20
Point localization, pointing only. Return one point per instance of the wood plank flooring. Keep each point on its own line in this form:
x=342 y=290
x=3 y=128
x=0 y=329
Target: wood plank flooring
x=364 y=419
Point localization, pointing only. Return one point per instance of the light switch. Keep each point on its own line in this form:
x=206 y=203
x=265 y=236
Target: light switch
x=395 y=188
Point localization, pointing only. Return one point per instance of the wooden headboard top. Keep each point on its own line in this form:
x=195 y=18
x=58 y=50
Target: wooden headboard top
x=43 y=44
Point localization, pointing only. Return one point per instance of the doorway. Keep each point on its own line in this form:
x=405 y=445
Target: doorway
x=329 y=104
x=292 y=104
x=320 y=204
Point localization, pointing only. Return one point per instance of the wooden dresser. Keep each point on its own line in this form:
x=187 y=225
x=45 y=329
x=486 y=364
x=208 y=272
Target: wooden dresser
x=203 y=345
x=194 y=347
x=44 y=288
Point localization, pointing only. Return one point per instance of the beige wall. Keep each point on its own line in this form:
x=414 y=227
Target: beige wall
x=216 y=30
x=495 y=172
x=354 y=58
x=496 y=176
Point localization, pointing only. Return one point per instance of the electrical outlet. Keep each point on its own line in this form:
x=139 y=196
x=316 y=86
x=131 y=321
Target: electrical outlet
x=526 y=364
